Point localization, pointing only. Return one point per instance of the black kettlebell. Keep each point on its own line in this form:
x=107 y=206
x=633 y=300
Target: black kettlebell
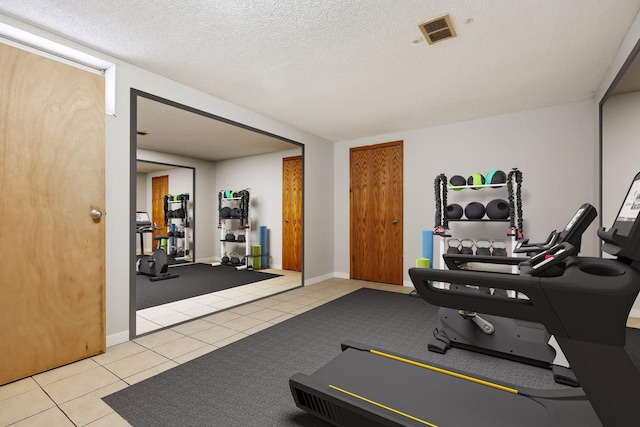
x=230 y=237
x=467 y=246
x=240 y=238
x=453 y=246
x=235 y=259
x=483 y=247
x=225 y=259
x=500 y=249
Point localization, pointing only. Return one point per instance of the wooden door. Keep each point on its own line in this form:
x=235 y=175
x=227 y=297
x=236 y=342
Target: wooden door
x=376 y=212
x=52 y=284
x=292 y=213
x=159 y=189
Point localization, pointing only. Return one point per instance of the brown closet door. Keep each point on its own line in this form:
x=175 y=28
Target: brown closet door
x=52 y=303
x=292 y=213
x=376 y=232
x=159 y=189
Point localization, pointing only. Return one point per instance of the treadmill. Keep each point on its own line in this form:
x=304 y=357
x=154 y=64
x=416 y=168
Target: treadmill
x=365 y=386
x=513 y=339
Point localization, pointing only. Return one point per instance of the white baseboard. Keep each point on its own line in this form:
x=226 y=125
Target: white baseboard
x=318 y=279
x=118 y=338
x=341 y=275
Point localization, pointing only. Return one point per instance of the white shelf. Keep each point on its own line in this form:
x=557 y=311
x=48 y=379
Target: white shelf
x=474 y=187
x=226 y=226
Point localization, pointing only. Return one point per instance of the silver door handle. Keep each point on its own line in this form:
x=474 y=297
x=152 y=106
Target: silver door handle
x=95 y=214
x=394 y=222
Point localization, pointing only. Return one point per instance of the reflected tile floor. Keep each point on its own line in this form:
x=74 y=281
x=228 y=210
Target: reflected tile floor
x=155 y=318
x=71 y=395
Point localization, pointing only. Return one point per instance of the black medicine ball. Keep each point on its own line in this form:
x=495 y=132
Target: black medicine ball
x=454 y=211
x=474 y=210
x=225 y=212
x=498 y=209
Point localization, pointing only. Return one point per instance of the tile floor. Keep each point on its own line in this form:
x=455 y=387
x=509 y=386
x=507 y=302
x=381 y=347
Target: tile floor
x=71 y=395
x=154 y=318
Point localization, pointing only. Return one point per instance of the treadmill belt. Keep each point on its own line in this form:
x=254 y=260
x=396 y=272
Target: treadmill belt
x=419 y=396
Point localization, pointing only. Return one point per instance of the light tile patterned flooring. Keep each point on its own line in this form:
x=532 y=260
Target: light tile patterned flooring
x=154 y=318
x=71 y=395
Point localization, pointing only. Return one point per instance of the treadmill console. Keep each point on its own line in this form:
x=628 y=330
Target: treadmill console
x=629 y=209
x=142 y=218
x=622 y=239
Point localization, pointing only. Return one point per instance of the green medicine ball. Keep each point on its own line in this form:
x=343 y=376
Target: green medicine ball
x=475 y=181
x=457 y=181
x=496 y=177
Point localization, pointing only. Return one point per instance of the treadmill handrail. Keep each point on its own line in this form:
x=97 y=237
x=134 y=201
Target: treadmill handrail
x=526 y=247
x=534 y=308
x=454 y=261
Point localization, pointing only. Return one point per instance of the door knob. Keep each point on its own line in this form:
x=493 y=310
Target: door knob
x=394 y=222
x=95 y=214
x=286 y=220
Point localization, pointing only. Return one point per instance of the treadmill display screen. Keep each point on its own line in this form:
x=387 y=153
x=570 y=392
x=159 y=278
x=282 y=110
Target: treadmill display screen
x=630 y=208
x=142 y=217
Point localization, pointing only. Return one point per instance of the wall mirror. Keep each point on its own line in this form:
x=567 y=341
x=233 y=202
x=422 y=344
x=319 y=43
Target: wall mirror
x=165 y=192
x=619 y=135
x=191 y=164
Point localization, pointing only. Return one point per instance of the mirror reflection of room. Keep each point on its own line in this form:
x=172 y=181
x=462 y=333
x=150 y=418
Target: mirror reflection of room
x=165 y=193
x=620 y=129
x=213 y=261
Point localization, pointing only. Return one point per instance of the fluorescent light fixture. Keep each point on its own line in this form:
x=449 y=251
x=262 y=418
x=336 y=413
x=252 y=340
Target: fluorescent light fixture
x=48 y=48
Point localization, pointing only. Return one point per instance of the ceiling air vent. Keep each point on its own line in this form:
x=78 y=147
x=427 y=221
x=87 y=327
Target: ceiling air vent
x=438 y=29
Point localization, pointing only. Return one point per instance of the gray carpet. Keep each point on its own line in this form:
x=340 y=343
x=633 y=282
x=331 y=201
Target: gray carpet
x=246 y=382
x=194 y=280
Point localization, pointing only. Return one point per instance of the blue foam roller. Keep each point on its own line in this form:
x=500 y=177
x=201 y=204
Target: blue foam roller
x=427 y=244
x=263 y=244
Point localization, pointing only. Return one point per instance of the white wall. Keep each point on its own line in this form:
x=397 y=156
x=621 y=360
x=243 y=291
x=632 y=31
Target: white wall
x=263 y=176
x=318 y=189
x=553 y=147
x=141 y=191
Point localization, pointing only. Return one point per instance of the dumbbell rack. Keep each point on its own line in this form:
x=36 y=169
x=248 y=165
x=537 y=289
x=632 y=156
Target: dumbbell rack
x=231 y=224
x=476 y=190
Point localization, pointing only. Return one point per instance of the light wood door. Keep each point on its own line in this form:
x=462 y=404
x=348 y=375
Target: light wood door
x=376 y=213
x=52 y=295
x=159 y=189
x=292 y=213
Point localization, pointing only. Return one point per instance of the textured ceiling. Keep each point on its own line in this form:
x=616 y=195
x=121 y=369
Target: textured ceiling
x=176 y=131
x=348 y=69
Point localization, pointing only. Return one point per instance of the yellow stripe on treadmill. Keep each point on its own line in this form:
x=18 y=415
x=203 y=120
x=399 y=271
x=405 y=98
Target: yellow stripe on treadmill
x=444 y=371
x=382 y=406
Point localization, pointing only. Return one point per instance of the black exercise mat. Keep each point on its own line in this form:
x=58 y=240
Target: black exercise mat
x=194 y=280
x=246 y=383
